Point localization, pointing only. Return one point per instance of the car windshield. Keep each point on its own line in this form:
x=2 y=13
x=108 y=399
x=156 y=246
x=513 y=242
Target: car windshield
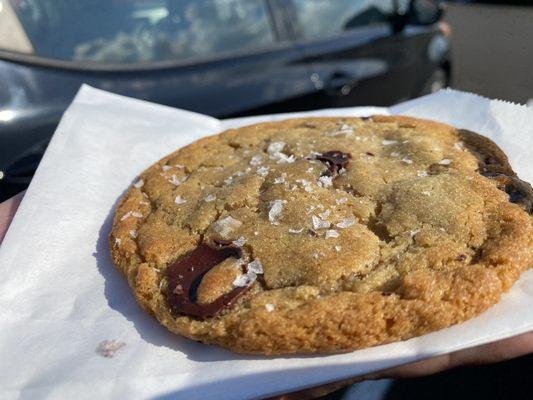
x=134 y=31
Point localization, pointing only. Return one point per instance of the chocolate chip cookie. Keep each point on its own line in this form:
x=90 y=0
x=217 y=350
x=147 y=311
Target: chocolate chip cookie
x=324 y=234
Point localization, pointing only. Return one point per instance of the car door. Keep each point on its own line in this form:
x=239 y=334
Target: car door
x=353 y=47
x=218 y=57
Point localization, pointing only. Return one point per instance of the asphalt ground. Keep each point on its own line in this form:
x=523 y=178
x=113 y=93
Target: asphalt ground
x=492 y=48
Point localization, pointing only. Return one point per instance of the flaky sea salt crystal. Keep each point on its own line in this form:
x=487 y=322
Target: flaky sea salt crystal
x=324 y=214
x=346 y=223
x=395 y=154
x=426 y=193
x=345 y=128
x=139 y=184
x=108 y=348
x=179 y=166
x=245 y=280
x=209 y=198
x=325 y=181
x=176 y=181
x=319 y=223
x=239 y=242
x=275 y=147
x=414 y=232
x=388 y=142
x=458 y=146
x=407 y=160
x=117 y=241
x=276 y=208
x=255 y=266
x=285 y=159
x=445 y=161
x=331 y=233
x=165 y=168
x=262 y=171
x=136 y=214
x=274 y=151
x=306 y=185
x=338 y=248
x=133 y=234
x=256 y=160
x=226 y=225
x=310 y=170
x=126 y=216
x=421 y=174
x=342 y=200
x=179 y=200
x=296 y=230
x=270 y=307
x=228 y=181
x=280 y=179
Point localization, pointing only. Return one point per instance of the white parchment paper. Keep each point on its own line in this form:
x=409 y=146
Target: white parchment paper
x=60 y=295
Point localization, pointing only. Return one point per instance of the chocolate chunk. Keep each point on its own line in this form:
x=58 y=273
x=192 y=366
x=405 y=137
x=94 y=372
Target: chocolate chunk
x=185 y=275
x=519 y=192
x=370 y=154
x=335 y=160
x=222 y=242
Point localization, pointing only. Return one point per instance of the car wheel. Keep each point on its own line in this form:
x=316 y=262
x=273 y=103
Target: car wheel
x=437 y=81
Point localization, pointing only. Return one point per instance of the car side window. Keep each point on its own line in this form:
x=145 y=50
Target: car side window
x=140 y=31
x=324 y=18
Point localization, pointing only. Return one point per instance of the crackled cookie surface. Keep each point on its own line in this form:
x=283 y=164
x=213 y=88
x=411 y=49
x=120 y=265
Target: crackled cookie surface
x=324 y=234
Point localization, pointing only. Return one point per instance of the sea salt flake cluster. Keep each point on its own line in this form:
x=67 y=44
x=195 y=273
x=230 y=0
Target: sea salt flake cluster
x=226 y=225
x=346 y=223
x=239 y=242
x=256 y=160
x=331 y=233
x=139 y=184
x=445 y=161
x=275 y=152
x=276 y=209
x=262 y=171
x=388 y=142
x=253 y=269
x=280 y=179
x=179 y=200
x=305 y=184
x=325 y=181
x=176 y=181
x=210 y=198
x=319 y=223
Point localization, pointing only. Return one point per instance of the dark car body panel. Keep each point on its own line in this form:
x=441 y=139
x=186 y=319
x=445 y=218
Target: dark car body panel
x=380 y=66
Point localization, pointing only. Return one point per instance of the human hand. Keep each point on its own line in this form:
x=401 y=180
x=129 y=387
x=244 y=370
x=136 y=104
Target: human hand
x=7 y=211
x=501 y=350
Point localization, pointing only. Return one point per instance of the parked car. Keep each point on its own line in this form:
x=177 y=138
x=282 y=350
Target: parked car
x=224 y=58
